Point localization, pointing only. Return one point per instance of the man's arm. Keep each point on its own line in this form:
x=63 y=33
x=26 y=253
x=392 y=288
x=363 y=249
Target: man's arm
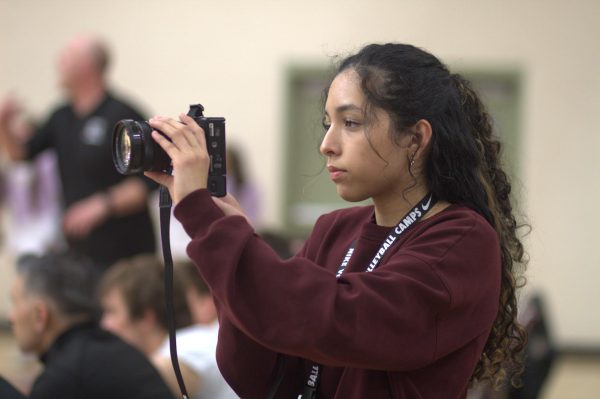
x=124 y=198
x=127 y=197
x=12 y=131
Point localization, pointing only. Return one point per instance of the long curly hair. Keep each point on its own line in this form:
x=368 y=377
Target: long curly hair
x=463 y=167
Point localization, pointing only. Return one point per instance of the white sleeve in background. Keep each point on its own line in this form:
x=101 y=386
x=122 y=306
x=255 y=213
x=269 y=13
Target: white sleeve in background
x=196 y=347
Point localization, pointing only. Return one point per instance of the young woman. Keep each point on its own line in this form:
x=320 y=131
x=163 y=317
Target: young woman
x=413 y=297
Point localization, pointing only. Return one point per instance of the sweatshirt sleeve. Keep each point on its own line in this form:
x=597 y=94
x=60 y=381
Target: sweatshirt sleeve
x=250 y=368
x=388 y=319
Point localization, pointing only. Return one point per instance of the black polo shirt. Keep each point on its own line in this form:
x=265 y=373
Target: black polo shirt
x=84 y=150
x=87 y=362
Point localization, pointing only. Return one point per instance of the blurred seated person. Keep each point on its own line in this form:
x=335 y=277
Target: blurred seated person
x=54 y=315
x=133 y=300
x=198 y=343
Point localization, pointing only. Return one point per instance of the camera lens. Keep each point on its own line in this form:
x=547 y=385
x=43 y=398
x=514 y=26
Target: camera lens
x=128 y=146
x=124 y=148
x=135 y=151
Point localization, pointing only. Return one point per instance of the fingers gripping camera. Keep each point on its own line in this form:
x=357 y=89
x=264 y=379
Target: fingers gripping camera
x=134 y=150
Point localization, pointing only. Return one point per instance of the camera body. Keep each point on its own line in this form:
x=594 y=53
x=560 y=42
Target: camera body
x=135 y=151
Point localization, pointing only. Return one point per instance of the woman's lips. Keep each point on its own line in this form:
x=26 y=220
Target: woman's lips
x=335 y=173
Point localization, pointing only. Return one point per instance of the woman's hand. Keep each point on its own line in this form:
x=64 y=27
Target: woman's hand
x=187 y=149
x=190 y=160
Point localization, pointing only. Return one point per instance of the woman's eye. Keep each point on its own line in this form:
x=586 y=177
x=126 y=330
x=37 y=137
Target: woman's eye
x=326 y=125
x=351 y=123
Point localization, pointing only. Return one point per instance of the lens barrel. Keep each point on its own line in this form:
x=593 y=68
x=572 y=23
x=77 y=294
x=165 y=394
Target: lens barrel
x=134 y=149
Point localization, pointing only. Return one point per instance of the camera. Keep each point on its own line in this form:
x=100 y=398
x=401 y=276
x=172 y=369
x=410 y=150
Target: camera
x=135 y=151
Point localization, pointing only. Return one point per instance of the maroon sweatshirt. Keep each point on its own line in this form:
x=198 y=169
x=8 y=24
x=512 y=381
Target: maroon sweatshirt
x=413 y=328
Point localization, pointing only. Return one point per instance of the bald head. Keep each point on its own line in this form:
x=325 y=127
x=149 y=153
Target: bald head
x=82 y=60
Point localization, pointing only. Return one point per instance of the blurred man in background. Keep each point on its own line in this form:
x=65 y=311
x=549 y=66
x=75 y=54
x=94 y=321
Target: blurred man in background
x=54 y=315
x=105 y=214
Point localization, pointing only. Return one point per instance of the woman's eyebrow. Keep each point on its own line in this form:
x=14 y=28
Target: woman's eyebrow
x=345 y=107
x=348 y=107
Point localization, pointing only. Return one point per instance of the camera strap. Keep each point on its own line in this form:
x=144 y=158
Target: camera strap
x=411 y=218
x=165 y=204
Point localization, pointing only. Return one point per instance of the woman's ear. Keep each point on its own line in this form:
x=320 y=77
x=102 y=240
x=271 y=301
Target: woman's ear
x=420 y=139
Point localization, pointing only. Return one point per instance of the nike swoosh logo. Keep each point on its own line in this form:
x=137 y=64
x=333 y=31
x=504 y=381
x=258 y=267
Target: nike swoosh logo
x=426 y=206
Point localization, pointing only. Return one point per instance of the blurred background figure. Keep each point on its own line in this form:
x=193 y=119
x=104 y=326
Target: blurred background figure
x=240 y=185
x=30 y=192
x=105 y=214
x=54 y=316
x=540 y=352
x=540 y=355
x=133 y=300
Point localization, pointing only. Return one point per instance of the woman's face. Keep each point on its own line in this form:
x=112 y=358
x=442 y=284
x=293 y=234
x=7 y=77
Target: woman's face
x=362 y=159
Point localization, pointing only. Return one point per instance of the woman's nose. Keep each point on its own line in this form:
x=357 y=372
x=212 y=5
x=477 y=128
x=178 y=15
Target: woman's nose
x=329 y=145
